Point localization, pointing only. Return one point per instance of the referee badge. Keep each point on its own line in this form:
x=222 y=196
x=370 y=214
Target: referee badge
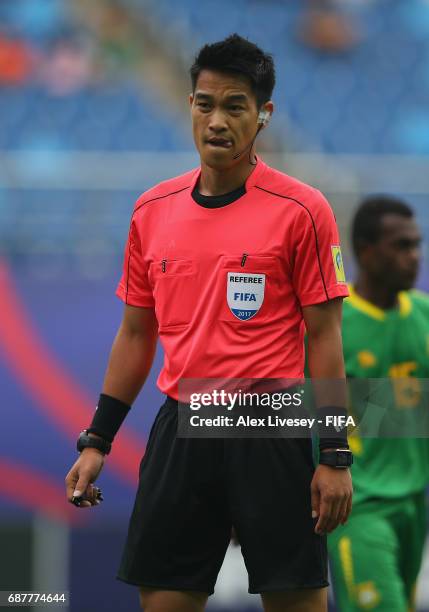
x=338 y=263
x=245 y=294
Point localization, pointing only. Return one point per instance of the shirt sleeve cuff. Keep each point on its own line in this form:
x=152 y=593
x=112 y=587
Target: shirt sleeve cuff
x=318 y=297
x=132 y=299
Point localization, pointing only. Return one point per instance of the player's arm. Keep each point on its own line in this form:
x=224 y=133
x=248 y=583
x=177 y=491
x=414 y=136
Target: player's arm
x=331 y=488
x=129 y=364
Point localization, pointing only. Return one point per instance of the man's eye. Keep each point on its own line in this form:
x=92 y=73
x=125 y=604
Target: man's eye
x=236 y=107
x=203 y=105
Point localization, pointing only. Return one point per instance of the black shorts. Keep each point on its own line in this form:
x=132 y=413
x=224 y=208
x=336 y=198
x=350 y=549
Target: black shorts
x=192 y=491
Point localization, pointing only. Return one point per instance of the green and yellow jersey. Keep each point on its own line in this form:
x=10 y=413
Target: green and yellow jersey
x=389 y=344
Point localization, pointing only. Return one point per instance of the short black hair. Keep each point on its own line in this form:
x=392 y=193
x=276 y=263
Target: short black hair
x=239 y=56
x=366 y=225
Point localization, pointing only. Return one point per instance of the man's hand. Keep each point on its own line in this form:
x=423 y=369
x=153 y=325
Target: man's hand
x=331 y=497
x=79 y=481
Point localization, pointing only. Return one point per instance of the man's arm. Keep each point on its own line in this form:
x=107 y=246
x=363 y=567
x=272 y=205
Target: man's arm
x=331 y=488
x=129 y=364
x=132 y=354
x=325 y=352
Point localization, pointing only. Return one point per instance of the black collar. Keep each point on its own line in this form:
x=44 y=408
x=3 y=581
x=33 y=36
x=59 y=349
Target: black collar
x=219 y=200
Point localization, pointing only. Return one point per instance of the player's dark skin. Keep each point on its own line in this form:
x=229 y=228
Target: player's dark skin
x=391 y=263
x=224 y=113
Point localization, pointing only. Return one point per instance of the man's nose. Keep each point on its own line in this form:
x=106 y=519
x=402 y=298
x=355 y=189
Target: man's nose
x=411 y=258
x=217 y=121
x=414 y=254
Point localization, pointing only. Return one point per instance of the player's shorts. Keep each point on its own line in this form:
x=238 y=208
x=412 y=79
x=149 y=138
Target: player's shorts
x=375 y=558
x=192 y=491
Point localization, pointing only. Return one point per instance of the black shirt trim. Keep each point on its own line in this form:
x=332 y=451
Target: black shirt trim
x=219 y=200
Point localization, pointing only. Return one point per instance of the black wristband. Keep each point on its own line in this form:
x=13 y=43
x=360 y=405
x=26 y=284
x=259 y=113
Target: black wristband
x=332 y=427
x=108 y=417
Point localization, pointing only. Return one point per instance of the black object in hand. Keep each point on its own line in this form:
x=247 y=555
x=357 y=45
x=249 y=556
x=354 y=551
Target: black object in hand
x=77 y=501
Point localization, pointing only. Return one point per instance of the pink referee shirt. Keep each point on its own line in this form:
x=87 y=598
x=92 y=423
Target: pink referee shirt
x=228 y=283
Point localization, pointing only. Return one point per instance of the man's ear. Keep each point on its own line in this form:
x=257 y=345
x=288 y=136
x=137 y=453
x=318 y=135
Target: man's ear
x=269 y=107
x=191 y=99
x=265 y=113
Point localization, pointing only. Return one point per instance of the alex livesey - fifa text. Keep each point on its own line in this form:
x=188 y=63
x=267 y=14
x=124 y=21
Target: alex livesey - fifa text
x=270 y=421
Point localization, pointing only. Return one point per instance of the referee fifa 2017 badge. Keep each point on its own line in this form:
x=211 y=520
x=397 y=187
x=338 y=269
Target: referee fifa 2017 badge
x=338 y=263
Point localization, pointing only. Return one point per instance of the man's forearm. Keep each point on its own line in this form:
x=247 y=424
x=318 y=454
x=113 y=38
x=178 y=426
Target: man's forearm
x=326 y=366
x=129 y=364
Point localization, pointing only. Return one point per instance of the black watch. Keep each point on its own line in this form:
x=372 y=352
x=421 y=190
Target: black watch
x=338 y=458
x=87 y=441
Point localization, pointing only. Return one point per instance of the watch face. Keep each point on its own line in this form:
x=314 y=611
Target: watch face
x=343 y=458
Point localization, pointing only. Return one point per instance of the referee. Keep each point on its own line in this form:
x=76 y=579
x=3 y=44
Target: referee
x=227 y=265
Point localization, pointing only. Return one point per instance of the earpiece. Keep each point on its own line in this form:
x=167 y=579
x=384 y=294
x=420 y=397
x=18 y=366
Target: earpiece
x=264 y=117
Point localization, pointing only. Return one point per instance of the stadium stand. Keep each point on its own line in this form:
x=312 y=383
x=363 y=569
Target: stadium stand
x=370 y=99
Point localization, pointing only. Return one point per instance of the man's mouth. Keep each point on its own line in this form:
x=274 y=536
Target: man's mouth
x=223 y=143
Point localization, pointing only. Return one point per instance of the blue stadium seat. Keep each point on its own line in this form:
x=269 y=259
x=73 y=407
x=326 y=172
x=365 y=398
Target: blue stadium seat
x=101 y=118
